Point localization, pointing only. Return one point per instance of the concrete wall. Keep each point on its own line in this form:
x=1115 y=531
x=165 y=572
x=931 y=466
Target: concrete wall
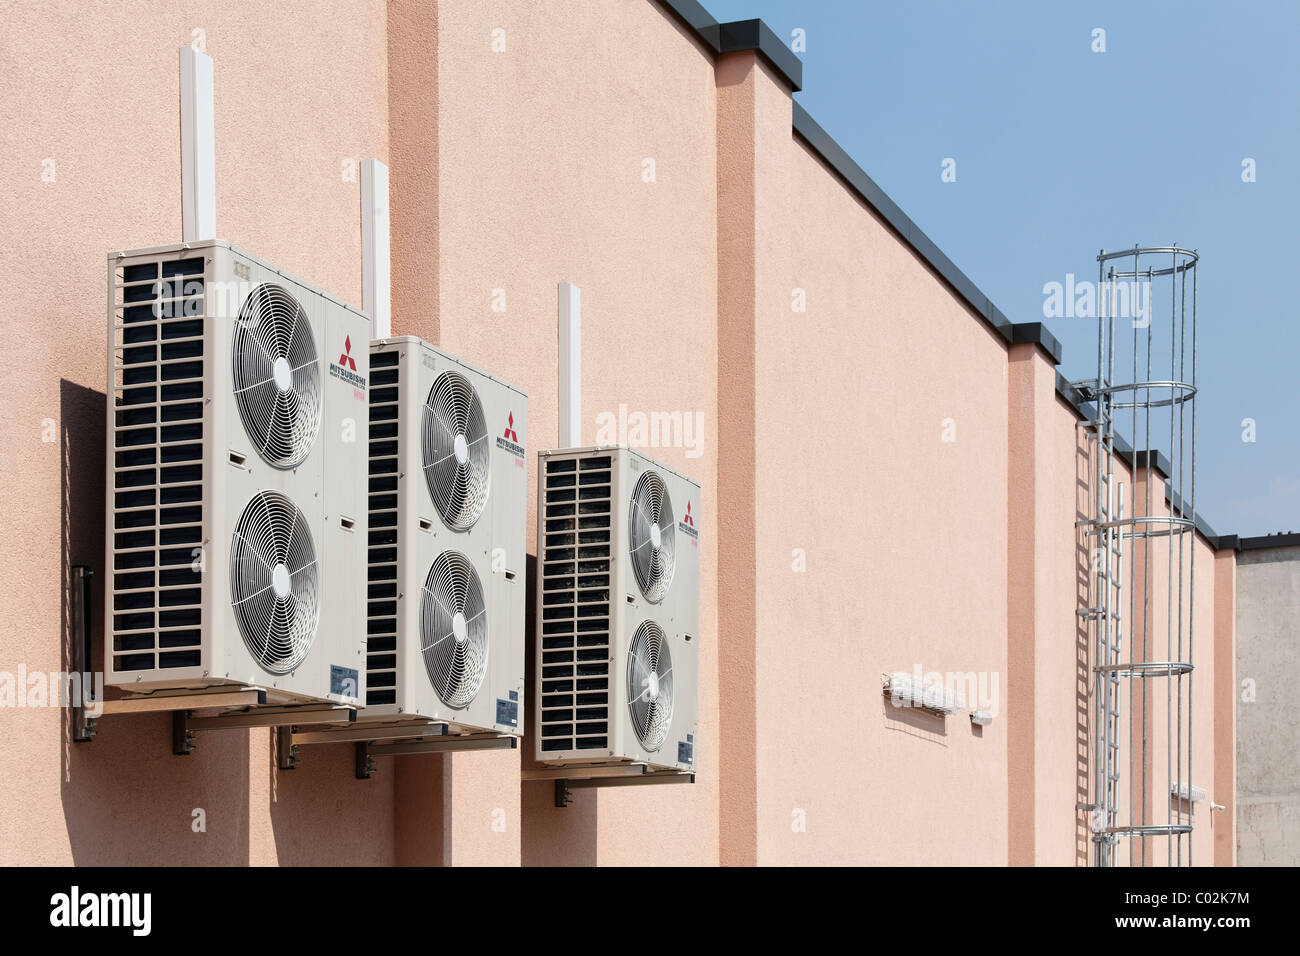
x=1225 y=710
x=1268 y=672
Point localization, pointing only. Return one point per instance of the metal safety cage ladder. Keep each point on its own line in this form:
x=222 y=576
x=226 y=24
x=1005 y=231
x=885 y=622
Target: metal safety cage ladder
x=1146 y=299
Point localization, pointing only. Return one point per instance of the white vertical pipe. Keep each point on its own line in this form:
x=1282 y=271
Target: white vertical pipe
x=569 y=318
x=198 y=148
x=376 y=272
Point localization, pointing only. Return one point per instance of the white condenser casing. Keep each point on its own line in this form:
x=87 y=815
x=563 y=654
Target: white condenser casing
x=448 y=500
x=236 y=508
x=618 y=569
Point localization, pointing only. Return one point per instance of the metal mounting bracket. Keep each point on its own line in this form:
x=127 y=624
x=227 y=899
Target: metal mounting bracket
x=403 y=744
x=386 y=739
x=182 y=736
x=185 y=724
x=617 y=775
x=365 y=763
x=181 y=706
x=83 y=724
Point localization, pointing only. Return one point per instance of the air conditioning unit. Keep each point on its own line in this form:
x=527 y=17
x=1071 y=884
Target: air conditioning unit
x=618 y=570
x=236 y=516
x=448 y=506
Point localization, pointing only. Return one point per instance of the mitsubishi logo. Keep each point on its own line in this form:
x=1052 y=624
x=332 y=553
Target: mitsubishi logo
x=509 y=441
x=345 y=370
x=687 y=524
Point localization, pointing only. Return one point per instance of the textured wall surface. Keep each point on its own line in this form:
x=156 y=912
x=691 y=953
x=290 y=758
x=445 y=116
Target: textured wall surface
x=580 y=148
x=300 y=91
x=851 y=426
x=1268 y=670
x=887 y=486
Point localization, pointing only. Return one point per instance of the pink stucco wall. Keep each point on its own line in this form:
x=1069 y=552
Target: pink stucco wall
x=851 y=405
x=541 y=153
x=300 y=90
x=1061 y=679
x=1049 y=471
x=842 y=534
x=1161 y=561
x=1072 y=780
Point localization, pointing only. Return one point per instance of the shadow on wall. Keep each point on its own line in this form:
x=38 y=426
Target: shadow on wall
x=127 y=800
x=1082 y=654
x=915 y=722
x=551 y=835
x=321 y=815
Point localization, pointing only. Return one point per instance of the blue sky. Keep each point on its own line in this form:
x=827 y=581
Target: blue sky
x=1061 y=151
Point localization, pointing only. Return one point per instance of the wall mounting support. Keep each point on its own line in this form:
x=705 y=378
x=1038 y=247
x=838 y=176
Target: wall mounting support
x=400 y=738
x=83 y=723
x=185 y=725
x=568 y=779
x=183 y=702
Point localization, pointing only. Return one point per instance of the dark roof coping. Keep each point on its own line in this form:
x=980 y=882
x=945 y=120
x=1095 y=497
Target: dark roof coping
x=1289 y=539
x=742 y=35
x=739 y=36
x=1037 y=334
x=807 y=129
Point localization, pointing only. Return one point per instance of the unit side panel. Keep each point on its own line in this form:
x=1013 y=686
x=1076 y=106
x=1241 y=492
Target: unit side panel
x=576 y=565
x=339 y=660
x=159 y=425
x=385 y=536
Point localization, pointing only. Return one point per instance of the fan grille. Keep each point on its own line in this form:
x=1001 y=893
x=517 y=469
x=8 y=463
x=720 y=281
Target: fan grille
x=650 y=685
x=456 y=452
x=453 y=629
x=651 y=530
x=275 y=582
x=277 y=375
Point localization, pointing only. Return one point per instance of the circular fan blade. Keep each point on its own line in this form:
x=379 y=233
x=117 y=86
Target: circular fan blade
x=277 y=375
x=453 y=629
x=457 y=453
x=650 y=685
x=274 y=582
x=652 y=532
